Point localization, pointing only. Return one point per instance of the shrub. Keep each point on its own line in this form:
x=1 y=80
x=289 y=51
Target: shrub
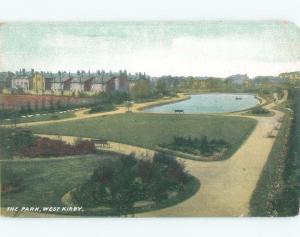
x=120 y=183
x=197 y=146
x=12 y=140
x=145 y=170
x=167 y=172
x=260 y=110
x=85 y=147
x=45 y=147
x=101 y=108
x=10 y=181
x=111 y=98
x=54 y=116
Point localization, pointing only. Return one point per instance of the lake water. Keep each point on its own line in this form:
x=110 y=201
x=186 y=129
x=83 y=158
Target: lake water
x=209 y=103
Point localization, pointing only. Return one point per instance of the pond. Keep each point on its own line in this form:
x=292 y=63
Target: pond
x=209 y=103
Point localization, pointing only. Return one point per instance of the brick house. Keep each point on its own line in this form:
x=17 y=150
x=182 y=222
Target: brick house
x=99 y=83
x=118 y=83
x=61 y=82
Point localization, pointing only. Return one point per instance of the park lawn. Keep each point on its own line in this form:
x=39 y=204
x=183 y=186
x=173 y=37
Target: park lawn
x=150 y=130
x=46 y=181
x=42 y=117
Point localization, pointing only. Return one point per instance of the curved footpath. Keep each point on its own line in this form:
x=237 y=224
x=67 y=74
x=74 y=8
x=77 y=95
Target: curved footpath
x=226 y=186
x=82 y=114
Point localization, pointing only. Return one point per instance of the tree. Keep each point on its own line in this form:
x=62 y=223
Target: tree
x=161 y=87
x=141 y=89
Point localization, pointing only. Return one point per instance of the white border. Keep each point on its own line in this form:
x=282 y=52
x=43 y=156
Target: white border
x=63 y=10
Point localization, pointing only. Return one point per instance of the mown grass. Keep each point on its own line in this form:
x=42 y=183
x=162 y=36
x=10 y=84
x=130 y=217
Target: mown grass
x=41 y=117
x=44 y=182
x=150 y=130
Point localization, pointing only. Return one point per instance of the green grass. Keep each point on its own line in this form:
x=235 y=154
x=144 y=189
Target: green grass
x=42 y=117
x=150 y=130
x=46 y=181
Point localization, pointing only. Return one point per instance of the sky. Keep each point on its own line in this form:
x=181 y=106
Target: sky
x=154 y=9
x=187 y=55
x=197 y=48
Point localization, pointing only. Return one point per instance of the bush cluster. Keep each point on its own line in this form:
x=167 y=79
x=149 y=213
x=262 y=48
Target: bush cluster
x=197 y=146
x=120 y=183
x=45 y=147
x=260 y=110
x=102 y=108
x=11 y=181
x=12 y=140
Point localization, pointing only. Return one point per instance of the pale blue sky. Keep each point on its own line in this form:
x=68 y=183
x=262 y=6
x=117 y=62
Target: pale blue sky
x=150 y=9
x=198 y=48
x=97 y=10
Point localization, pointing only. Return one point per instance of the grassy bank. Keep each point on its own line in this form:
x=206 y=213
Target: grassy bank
x=277 y=191
x=270 y=182
x=288 y=203
x=150 y=130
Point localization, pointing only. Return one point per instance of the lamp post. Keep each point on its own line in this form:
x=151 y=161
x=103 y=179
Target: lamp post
x=129 y=105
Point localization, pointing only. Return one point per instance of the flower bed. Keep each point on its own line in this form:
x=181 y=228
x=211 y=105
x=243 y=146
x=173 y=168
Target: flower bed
x=45 y=147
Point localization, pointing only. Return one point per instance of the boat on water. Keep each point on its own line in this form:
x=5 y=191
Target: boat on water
x=238 y=98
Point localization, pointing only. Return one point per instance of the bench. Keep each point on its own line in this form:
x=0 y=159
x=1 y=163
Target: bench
x=101 y=142
x=179 y=111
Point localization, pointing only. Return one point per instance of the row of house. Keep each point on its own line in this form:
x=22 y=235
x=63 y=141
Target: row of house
x=40 y=82
x=293 y=77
